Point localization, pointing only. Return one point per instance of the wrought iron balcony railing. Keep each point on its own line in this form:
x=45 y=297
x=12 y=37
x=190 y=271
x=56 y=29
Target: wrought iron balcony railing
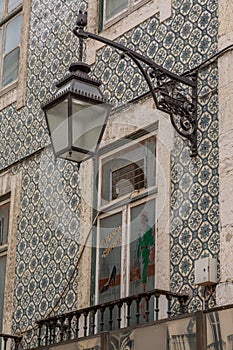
x=125 y=312
x=6 y=337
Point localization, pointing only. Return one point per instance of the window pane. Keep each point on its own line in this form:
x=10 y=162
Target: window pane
x=142 y=255
x=142 y=248
x=4 y=221
x=58 y=124
x=13 y=31
x=128 y=170
x=1 y=8
x=10 y=67
x=12 y=4
x=110 y=258
x=87 y=121
x=128 y=178
x=114 y=7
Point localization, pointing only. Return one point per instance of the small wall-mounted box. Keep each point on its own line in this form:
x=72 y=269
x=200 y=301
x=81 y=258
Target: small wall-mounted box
x=206 y=271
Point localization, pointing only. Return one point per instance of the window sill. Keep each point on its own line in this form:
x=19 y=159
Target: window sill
x=3 y=248
x=129 y=198
x=8 y=95
x=126 y=13
x=124 y=24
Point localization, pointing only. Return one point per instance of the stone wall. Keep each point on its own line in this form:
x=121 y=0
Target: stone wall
x=12 y=184
x=225 y=288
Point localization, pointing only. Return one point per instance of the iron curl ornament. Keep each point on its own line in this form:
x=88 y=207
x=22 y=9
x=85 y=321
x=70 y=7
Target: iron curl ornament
x=172 y=93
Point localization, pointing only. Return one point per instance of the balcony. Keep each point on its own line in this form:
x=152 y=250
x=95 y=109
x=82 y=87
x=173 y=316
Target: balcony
x=123 y=313
x=155 y=320
x=8 y=341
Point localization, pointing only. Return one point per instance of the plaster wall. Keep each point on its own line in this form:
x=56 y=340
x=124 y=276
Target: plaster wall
x=225 y=288
x=86 y=225
x=11 y=184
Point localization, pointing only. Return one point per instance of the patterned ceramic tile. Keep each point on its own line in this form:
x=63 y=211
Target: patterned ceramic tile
x=197 y=218
x=48 y=240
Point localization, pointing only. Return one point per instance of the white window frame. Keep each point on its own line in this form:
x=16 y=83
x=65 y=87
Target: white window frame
x=113 y=152
x=113 y=30
x=132 y=6
x=125 y=210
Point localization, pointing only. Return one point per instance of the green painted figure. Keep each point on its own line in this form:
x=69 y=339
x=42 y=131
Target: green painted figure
x=145 y=245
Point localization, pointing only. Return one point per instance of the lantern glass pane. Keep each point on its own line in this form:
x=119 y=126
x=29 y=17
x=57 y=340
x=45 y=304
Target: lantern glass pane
x=87 y=123
x=57 y=118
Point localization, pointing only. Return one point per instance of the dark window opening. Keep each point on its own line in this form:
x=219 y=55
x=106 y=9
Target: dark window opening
x=128 y=179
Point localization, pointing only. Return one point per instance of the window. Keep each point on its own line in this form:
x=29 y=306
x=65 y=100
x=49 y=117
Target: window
x=10 y=31
x=14 y=31
x=135 y=13
x=129 y=170
x=4 y=224
x=126 y=232
x=112 y=10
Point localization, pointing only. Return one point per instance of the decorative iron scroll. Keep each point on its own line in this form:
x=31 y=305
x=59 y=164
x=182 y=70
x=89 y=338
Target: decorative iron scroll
x=173 y=94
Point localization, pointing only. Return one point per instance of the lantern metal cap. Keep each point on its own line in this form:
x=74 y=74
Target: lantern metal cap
x=78 y=73
x=79 y=70
x=70 y=89
x=80 y=66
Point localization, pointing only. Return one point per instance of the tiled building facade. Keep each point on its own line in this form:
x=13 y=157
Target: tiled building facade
x=50 y=201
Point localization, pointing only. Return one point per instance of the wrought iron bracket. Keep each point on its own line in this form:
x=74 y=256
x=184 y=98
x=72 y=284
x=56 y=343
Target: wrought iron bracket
x=173 y=94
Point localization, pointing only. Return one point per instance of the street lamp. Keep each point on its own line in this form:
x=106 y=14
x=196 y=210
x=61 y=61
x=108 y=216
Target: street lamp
x=78 y=113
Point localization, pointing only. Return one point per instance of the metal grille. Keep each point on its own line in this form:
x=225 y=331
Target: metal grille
x=128 y=178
